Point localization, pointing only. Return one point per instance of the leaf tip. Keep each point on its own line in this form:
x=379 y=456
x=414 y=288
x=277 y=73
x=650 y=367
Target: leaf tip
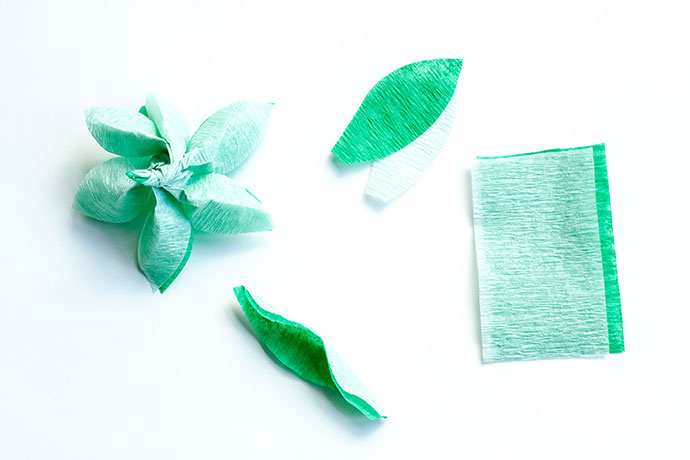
x=239 y=290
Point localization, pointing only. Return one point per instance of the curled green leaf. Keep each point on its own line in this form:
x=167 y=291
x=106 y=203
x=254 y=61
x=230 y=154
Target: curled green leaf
x=304 y=353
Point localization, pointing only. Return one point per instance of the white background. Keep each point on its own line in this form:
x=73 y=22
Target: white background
x=94 y=365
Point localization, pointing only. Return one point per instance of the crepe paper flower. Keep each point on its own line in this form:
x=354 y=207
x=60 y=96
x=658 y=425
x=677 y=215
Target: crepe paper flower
x=402 y=125
x=179 y=181
x=304 y=353
x=548 y=282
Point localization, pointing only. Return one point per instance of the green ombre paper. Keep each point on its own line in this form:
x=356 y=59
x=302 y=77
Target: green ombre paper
x=548 y=283
x=304 y=353
x=179 y=182
x=402 y=125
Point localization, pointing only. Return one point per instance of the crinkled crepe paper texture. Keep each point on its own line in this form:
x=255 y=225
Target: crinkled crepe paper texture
x=402 y=125
x=179 y=182
x=304 y=352
x=548 y=284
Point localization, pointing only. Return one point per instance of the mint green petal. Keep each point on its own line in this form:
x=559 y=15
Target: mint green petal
x=229 y=136
x=124 y=133
x=221 y=205
x=171 y=124
x=108 y=195
x=399 y=109
x=165 y=242
x=304 y=353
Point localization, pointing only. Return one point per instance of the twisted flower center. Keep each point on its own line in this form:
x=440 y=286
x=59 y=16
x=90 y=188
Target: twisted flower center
x=161 y=174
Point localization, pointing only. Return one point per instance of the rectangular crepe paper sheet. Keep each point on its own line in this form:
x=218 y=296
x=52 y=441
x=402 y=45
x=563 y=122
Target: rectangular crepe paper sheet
x=548 y=283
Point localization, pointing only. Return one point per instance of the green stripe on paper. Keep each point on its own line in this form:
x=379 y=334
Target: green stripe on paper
x=608 y=252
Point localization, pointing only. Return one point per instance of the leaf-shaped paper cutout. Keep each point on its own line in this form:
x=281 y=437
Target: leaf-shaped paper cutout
x=171 y=124
x=165 y=242
x=108 y=195
x=304 y=352
x=221 y=205
x=398 y=109
x=391 y=176
x=124 y=133
x=229 y=136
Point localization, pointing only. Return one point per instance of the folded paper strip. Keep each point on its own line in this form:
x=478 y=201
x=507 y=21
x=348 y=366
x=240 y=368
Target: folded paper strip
x=402 y=125
x=304 y=353
x=548 y=281
x=179 y=182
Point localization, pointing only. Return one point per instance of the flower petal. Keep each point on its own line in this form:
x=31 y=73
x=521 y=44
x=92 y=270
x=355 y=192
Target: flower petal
x=305 y=353
x=221 y=205
x=165 y=242
x=398 y=109
x=171 y=124
x=125 y=133
x=229 y=136
x=391 y=176
x=107 y=194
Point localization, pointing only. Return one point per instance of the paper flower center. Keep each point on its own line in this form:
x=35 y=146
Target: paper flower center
x=161 y=174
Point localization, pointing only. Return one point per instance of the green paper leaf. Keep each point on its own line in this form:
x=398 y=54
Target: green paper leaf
x=304 y=352
x=393 y=175
x=171 y=124
x=221 y=205
x=108 y=195
x=229 y=136
x=165 y=242
x=124 y=133
x=398 y=109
